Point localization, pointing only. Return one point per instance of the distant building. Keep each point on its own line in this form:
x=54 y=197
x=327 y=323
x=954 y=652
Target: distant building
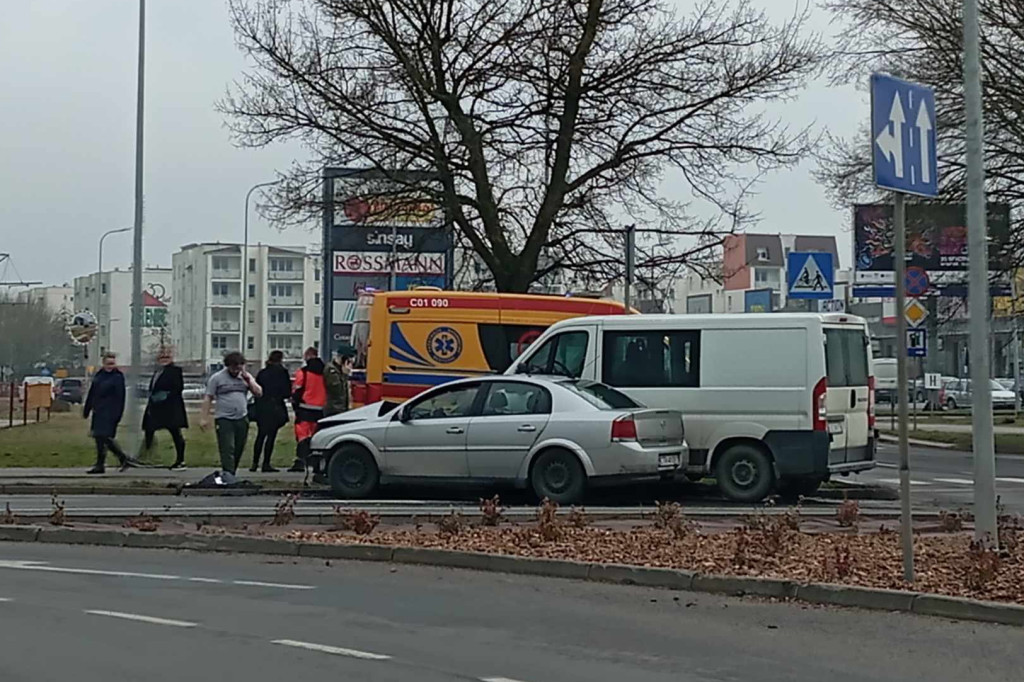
x=59 y=300
x=108 y=295
x=281 y=303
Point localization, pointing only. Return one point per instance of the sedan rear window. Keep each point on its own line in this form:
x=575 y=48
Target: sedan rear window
x=601 y=396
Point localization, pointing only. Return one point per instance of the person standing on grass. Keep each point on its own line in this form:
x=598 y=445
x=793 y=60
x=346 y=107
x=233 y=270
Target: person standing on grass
x=105 y=403
x=227 y=395
x=166 y=406
x=271 y=411
x=308 y=398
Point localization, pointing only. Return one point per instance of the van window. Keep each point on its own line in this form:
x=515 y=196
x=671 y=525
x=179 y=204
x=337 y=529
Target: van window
x=562 y=354
x=651 y=358
x=846 y=357
x=503 y=343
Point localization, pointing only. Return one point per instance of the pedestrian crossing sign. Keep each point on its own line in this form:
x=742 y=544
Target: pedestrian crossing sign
x=810 y=275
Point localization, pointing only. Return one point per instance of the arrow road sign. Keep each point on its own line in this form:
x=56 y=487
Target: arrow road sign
x=809 y=274
x=903 y=136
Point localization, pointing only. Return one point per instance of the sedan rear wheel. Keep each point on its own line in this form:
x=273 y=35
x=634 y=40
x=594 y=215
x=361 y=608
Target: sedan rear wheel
x=353 y=472
x=558 y=476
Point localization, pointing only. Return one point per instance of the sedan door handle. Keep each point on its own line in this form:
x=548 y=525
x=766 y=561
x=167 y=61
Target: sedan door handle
x=527 y=428
x=455 y=430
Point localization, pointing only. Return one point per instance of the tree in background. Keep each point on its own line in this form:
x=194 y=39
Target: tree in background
x=921 y=40
x=544 y=125
x=31 y=335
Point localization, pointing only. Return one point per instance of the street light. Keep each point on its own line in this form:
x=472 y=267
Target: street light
x=245 y=261
x=99 y=284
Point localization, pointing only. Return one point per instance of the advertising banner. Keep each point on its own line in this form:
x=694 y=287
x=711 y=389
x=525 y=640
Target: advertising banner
x=757 y=301
x=414 y=239
x=370 y=263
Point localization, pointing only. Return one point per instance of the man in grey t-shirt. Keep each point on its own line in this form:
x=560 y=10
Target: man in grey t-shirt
x=227 y=392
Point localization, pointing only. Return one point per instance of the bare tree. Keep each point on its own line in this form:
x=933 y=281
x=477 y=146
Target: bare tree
x=30 y=334
x=921 y=40
x=541 y=122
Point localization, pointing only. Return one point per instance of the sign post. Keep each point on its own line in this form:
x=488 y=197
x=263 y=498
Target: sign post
x=904 y=161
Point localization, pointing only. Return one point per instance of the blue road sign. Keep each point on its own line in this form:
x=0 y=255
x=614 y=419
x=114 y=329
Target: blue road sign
x=917 y=343
x=903 y=136
x=809 y=275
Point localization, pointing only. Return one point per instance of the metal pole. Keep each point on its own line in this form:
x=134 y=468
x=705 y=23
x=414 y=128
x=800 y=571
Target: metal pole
x=136 y=364
x=99 y=287
x=977 y=251
x=906 y=521
x=392 y=278
x=630 y=264
x=1016 y=347
x=245 y=263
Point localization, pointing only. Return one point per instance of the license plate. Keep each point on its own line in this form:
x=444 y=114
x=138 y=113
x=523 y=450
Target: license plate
x=835 y=427
x=668 y=460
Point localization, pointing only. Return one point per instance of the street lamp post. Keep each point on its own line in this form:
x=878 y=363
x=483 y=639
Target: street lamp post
x=99 y=286
x=245 y=262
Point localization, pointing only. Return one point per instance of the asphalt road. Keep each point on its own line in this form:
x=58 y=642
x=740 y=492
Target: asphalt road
x=945 y=478
x=101 y=614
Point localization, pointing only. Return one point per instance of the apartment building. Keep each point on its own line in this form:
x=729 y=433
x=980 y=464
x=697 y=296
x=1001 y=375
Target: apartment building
x=59 y=300
x=108 y=295
x=267 y=300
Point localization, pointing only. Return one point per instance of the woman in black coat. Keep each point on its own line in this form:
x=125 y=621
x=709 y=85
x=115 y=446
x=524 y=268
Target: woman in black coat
x=105 y=403
x=166 y=407
x=270 y=410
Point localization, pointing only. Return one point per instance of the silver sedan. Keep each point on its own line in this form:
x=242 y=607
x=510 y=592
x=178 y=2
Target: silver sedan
x=555 y=436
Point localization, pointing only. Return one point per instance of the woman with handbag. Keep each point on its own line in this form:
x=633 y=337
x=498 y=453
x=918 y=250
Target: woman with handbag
x=166 y=407
x=269 y=411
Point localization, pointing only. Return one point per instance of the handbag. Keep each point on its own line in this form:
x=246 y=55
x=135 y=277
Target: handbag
x=159 y=396
x=250 y=410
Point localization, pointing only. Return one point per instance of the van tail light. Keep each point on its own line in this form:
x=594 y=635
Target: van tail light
x=818 y=409
x=871 y=402
x=624 y=428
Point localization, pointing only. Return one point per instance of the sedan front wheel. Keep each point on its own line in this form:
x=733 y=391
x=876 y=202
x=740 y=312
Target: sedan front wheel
x=353 y=472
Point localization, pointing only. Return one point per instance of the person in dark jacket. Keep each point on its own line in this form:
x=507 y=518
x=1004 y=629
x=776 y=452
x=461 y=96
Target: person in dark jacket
x=308 y=398
x=105 y=403
x=166 y=407
x=336 y=382
x=270 y=411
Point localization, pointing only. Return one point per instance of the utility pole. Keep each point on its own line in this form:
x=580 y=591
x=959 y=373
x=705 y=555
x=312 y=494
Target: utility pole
x=242 y=343
x=630 y=264
x=977 y=252
x=134 y=374
x=903 y=445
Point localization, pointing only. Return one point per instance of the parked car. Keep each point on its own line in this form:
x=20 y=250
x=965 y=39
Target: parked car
x=69 y=390
x=556 y=436
x=957 y=393
x=780 y=401
x=193 y=392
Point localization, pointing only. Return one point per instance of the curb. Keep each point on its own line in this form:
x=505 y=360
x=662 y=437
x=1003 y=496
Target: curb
x=917 y=441
x=957 y=608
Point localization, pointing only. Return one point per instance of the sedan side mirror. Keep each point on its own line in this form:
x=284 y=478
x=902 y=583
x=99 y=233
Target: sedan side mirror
x=403 y=414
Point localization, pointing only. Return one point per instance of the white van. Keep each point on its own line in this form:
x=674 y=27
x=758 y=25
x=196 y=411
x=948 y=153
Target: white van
x=769 y=401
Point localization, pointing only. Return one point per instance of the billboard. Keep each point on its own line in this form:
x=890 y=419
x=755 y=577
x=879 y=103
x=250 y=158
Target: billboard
x=936 y=238
x=757 y=301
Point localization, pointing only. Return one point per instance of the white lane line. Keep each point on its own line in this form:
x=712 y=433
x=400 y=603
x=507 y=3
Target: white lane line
x=282 y=586
x=896 y=481
x=886 y=465
x=1009 y=479
x=497 y=679
x=335 y=650
x=5 y=599
x=144 y=619
x=212 y=581
x=955 y=481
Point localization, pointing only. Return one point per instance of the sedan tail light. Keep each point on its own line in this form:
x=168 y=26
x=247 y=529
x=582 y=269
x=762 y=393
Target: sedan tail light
x=624 y=428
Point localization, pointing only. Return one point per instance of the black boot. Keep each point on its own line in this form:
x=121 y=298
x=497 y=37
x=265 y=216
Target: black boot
x=97 y=469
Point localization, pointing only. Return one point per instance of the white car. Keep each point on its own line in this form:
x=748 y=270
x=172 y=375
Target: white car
x=554 y=435
x=193 y=392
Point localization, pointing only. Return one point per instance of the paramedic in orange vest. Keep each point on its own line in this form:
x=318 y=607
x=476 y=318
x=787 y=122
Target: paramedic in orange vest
x=308 y=399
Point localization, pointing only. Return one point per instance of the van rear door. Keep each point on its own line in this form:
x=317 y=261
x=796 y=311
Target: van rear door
x=847 y=366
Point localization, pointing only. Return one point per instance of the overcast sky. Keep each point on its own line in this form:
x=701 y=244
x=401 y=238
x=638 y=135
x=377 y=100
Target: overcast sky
x=67 y=130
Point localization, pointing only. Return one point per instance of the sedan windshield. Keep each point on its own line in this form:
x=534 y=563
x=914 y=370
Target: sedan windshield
x=600 y=395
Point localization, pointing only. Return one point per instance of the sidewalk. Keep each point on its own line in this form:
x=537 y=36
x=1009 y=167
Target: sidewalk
x=967 y=428
x=142 y=479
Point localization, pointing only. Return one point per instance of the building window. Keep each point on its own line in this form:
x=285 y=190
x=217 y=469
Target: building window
x=252 y=291
x=316 y=298
x=762 y=254
x=103 y=288
x=316 y=322
x=252 y=265
x=252 y=317
x=316 y=274
x=220 y=263
x=250 y=343
x=283 y=316
x=282 y=290
x=282 y=264
x=219 y=342
x=220 y=289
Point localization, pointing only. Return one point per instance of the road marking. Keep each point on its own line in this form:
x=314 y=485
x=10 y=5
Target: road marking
x=1008 y=479
x=337 y=651
x=896 y=481
x=283 y=586
x=41 y=566
x=955 y=481
x=497 y=679
x=886 y=465
x=5 y=599
x=144 y=619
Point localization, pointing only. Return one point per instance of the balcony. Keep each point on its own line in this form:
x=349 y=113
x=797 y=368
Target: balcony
x=296 y=275
x=225 y=326
x=228 y=273
x=285 y=327
x=229 y=301
x=285 y=301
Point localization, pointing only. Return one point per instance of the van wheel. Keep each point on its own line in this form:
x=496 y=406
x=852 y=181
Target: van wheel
x=558 y=476
x=744 y=474
x=795 y=488
x=353 y=472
